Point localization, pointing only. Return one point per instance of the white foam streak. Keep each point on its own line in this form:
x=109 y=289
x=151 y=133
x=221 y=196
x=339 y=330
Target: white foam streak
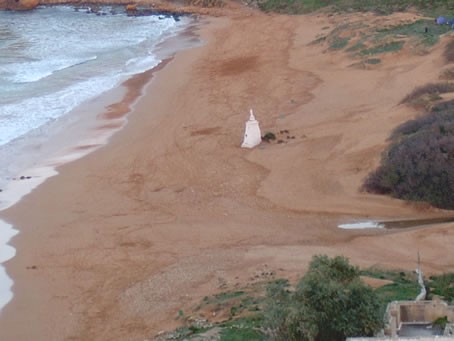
x=6 y=252
x=39 y=111
x=361 y=225
x=35 y=71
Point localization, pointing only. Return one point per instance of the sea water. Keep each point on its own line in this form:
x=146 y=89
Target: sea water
x=52 y=60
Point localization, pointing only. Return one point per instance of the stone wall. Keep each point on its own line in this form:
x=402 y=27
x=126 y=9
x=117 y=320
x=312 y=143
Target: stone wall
x=399 y=312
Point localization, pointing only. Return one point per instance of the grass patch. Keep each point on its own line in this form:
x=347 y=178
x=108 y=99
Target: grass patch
x=239 y=334
x=224 y=296
x=398 y=292
x=393 y=46
x=380 y=7
x=357 y=47
x=246 y=328
x=442 y=285
x=338 y=43
x=417 y=30
x=362 y=40
x=404 y=286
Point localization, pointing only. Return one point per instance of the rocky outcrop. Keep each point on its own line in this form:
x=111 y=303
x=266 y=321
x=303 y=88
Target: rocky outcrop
x=18 y=5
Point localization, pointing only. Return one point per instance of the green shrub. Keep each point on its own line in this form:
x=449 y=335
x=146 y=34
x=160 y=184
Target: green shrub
x=269 y=136
x=419 y=163
x=428 y=89
x=330 y=303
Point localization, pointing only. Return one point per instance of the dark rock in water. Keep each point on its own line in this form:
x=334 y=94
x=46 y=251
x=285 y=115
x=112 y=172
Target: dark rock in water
x=1 y=190
x=22 y=177
x=135 y=11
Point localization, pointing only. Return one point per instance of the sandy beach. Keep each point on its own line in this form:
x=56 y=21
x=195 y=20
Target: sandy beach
x=171 y=208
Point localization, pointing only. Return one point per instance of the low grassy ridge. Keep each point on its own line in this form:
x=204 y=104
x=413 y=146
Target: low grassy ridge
x=377 y=6
x=403 y=286
x=364 y=41
x=371 y=42
x=240 y=315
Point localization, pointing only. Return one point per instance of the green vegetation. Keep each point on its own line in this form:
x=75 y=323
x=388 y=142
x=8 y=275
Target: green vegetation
x=339 y=43
x=269 y=136
x=383 y=48
x=419 y=162
x=376 y=6
x=416 y=30
x=403 y=286
x=429 y=92
x=440 y=322
x=329 y=303
x=362 y=41
x=246 y=328
x=443 y=286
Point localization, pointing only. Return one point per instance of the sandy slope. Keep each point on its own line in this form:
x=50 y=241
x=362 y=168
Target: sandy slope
x=172 y=208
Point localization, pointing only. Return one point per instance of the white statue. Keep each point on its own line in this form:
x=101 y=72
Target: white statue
x=252 y=134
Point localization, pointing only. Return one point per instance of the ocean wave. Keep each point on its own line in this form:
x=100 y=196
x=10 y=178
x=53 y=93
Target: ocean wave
x=138 y=65
x=41 y=110
x=34 y=71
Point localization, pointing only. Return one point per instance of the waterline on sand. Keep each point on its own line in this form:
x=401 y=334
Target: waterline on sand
x=6 y=252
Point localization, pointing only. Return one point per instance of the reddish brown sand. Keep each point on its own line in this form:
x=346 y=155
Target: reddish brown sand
x=172 y=207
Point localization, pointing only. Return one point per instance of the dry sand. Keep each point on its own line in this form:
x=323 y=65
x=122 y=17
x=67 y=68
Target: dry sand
x=172 y=209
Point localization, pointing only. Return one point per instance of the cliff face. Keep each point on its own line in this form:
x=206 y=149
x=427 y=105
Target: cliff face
x=18 y=5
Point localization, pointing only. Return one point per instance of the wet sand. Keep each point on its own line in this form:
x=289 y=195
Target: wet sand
x=171 y=208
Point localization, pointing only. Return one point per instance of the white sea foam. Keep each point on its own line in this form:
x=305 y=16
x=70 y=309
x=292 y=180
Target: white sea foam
x=6 y=252
x=362 y=225
x=27 y=72
x=52 y=60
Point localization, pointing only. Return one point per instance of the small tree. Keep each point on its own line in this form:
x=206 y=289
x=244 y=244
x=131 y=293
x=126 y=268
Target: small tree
x=330 y=303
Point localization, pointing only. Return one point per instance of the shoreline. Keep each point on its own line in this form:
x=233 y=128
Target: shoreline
x=172 y=209
x=90 y=132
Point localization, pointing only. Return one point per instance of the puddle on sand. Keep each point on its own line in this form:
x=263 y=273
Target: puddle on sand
x=395 y=224
x=369 y=224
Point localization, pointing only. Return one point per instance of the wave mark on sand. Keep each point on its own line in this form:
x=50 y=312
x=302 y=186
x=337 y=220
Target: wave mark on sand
x=6 y=252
